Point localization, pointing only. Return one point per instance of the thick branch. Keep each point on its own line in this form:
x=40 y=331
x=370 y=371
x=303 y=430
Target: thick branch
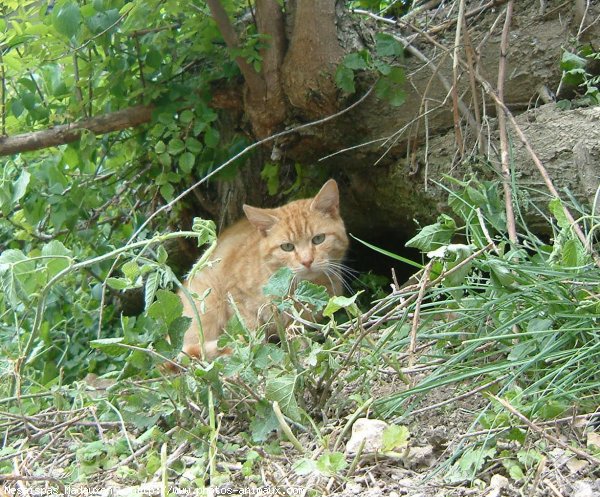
x=253 y=79
x=67 y=133
x=312 y=59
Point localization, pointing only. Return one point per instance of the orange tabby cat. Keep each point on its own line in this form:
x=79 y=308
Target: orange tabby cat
x=307 y=236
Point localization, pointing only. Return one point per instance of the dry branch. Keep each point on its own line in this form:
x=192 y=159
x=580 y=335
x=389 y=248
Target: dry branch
x=508 y=202
x=68 y=133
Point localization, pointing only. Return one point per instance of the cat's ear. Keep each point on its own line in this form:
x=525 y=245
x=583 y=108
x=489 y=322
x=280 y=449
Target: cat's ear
x=328 y=199
x=260 y=218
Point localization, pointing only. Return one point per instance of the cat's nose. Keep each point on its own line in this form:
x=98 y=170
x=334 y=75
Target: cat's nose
x=307 y=262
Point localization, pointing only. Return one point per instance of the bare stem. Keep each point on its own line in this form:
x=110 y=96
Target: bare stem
x=506 y=176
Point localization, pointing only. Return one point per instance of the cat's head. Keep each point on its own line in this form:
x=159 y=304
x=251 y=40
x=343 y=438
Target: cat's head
x=308 y=236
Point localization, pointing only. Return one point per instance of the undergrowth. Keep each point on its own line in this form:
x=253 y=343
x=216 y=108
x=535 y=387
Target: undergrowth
x=519 y=321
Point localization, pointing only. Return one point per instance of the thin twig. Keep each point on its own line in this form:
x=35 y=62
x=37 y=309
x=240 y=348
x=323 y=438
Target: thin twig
x=506 y=175
x=460 y=397
x=533 y=427
x=459 y=25
x=417 y=314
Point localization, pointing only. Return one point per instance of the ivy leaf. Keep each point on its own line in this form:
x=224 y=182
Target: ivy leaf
x=387 y=46
x=344 y=79
x=212 y=137
x=355 y=61
x=66 y=19
x=160 y=147
x=193 y=145
x=281 y=388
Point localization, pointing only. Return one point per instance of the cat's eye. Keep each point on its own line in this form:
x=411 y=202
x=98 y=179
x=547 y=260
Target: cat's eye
x=318 y=239
x=287 y=247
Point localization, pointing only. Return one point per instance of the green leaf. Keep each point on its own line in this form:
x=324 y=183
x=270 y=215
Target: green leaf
x=186 y=116
x=331 y=463
x=395 y=437
x=304 y=466
x=167 y=191
x=263 y=423
x=20 y=186
x=281 y=388
x=118 y=283
x=556 y=208
x=131 y=270
x=355 y=61
x=387 y=46
x=270 y=174
x=344 y=79
x=211 y=137
x=435 y=235
x=62 y=260
x=279 y=283
x=389 y=88
x=469 y=464
x=573 y=253
x=341 y=302
x=177 y=329
x=186 y=162
x=176 y=146
x=570 y=61
x=193 y=145
x=150 y=288
x=167 y=307
x=110 y=346
x=309 y=293
x=66 y=19
x=160 y=147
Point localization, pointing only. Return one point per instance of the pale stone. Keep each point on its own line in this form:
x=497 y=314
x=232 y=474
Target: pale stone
x=369 y=430
x=576 y=465
x=593 y=440
x=583 y=489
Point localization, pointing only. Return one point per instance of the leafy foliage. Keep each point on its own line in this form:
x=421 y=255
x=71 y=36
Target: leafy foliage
x=575 y=67
x=391 y=78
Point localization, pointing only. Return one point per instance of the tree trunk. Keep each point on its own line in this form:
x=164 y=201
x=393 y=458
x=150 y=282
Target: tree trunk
x=388 y=158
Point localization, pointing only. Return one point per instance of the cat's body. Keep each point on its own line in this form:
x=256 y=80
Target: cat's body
x=308 y=236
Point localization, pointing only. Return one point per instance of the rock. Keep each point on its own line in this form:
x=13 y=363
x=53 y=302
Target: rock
x=583 y=489
x=497 y=483
x=353 y=488
x=576 y=465
x=419 y=456
x=593 y=440
x=369 y=430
